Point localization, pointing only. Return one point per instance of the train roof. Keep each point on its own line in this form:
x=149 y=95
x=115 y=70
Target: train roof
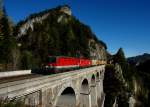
x=67 y=57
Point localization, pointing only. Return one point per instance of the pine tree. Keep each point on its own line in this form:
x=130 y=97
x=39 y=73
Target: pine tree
x=6 y=39
x=1 y=13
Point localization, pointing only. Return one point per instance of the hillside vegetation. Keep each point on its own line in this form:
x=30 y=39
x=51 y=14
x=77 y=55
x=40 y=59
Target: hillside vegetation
x=138 y=59
x=132 y=80
x=50 y=32
x=143 y=79
x=118 y=81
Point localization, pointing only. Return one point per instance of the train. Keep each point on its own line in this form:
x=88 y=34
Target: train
x=63 y=63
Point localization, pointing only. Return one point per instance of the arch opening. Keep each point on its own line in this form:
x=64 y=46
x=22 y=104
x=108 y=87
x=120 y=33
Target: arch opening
x=97 y=76
x=85 y=86
x=85 y=97
x=93 y=80
x=67 y=98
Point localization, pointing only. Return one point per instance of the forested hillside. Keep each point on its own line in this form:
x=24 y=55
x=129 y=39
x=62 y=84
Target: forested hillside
x=118 y=81
x=141 y=66
x=51 y=32
x=130 y=81
x=139 y=59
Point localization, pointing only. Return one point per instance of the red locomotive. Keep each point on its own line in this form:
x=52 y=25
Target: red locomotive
x=60 y=62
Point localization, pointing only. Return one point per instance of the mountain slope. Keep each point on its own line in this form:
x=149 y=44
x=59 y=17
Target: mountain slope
x=56 y=32
x=139 y=59
x=141 y=68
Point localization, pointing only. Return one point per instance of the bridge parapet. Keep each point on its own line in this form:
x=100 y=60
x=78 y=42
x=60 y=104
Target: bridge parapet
x=14 y=73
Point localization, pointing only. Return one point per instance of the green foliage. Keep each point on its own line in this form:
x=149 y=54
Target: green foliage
x=139 y=74
x=7 y=41
x=143 y=75
x=111 y=83
x=120 y=89
x=123 y=99
x=128 y=71
x=26 y=60
x=114 y=87
x=109 y=100
x=144 y=67
x=119 y=58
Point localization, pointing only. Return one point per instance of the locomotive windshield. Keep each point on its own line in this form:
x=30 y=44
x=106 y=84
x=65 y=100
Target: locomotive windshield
x=52 y=59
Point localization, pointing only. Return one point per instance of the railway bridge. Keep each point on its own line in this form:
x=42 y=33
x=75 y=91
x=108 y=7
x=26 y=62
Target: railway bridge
x=78 y=88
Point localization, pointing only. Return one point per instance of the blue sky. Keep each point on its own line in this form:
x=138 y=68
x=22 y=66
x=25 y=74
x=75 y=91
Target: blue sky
x=119 y=23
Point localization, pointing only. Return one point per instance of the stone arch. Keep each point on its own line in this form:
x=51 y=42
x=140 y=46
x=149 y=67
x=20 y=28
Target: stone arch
x=63 y=91
x=67 y=98
x=84 y=86
x=85 y=97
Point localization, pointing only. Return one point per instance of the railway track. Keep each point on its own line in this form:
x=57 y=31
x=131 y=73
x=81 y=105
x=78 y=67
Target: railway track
x=26 y=76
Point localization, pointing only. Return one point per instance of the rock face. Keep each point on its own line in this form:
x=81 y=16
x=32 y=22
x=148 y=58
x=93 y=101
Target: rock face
x=119 y=75
x=57 y=32
x=29 y=24
x=66 y=9
x=38 y=19
x=97 y=51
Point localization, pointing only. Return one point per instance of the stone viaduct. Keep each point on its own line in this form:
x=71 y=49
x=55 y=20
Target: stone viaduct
x=78 y=88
